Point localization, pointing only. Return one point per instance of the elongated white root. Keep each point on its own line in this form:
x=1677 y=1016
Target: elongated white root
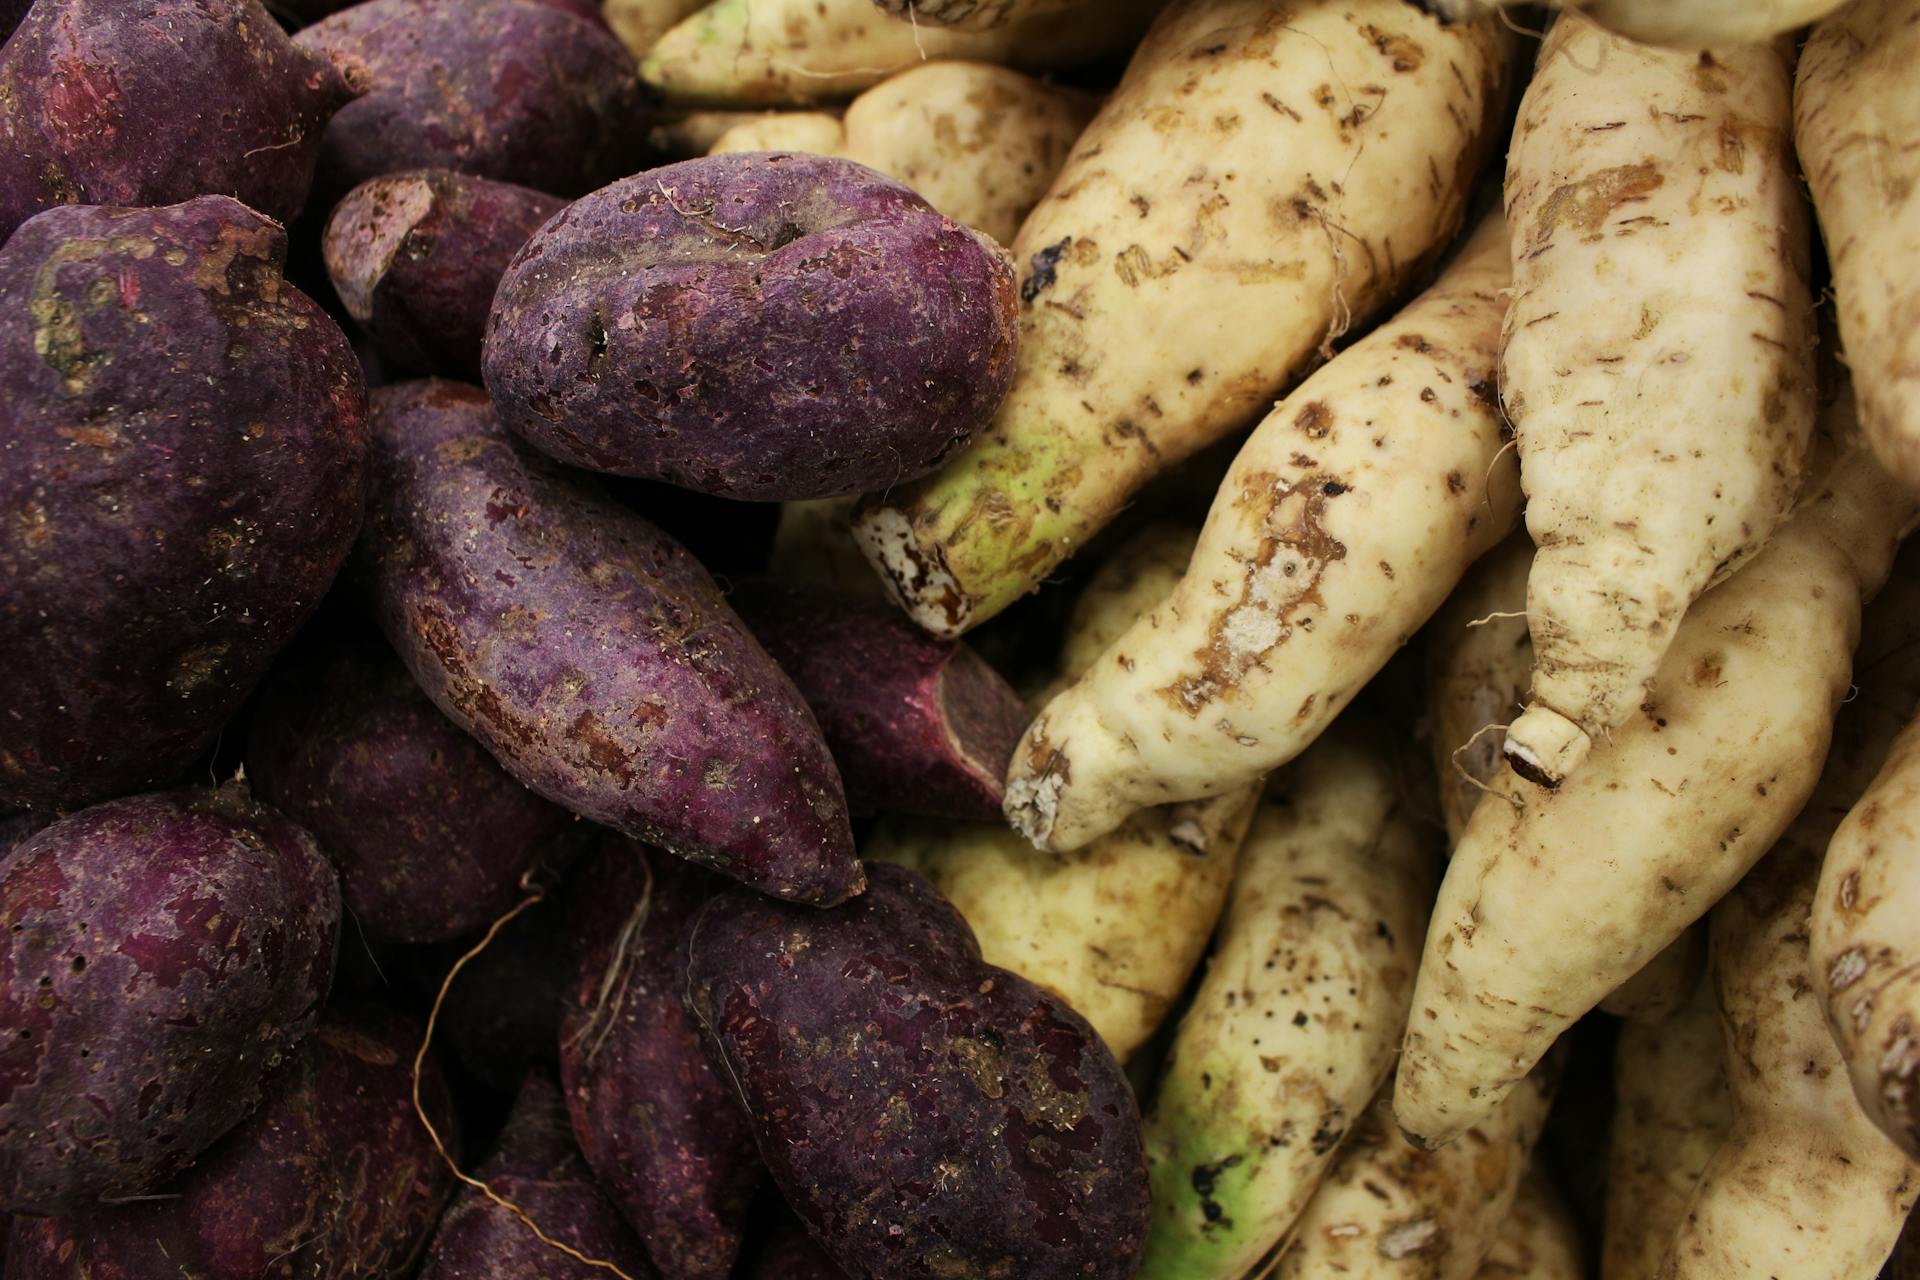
x=1554 y=898
x=1653 y=196
x=1344 y=522
x=1295 y=1026
x=1680 y=24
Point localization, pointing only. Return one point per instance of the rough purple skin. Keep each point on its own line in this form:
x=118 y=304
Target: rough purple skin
x=538 y=1168
x=663 y=1133
x=591 y=654
x=158 y=955
x=416 y=257
x=916 y=724
x=429 y=833
x=333 y=1178
x=517 y=90
x=301 y=12
x=791 y=1254
x=762 y=326
x=148 y=102
x=183 y=460
x=876 y=1050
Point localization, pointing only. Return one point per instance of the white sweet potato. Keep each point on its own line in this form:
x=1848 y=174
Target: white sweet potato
x=1671 y=1114
x=1856 y=119
x=1555 y=897
x=1344 y=522
x=1269 y=175
x=980 y=143
x=641 y=23
x=1391 y=1211
x=1294 y=1027
x=1658 y=358
x=759 y=53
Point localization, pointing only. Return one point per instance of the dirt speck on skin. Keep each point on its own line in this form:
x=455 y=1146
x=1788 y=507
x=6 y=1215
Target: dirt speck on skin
x=1585 y=206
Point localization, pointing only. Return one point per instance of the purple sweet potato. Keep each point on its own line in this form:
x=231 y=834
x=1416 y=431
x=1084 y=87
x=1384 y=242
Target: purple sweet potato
x=916 y=724
x=763 y=325
x=517 y=90
x=876 y=1050
x=664 y=1134
x=157 y=956
x=791 y=1254
x=416 y=257
x=537 y=1167
x=334 y=1178
x=430 y=835
x=591 y=654
x=183 y=460
x=150 y=102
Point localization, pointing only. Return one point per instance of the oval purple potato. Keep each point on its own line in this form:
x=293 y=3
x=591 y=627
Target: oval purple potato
x=517 y=90
x=763 y=325
x=538 y=1168
x=183 y=454
x=875 y=1049
x=591 y=654
x=429 y=833
x=334 y=1178
x=664 y=1134
x=416 y=257
x=149 y=102
x=157 y=956
x=916 y=724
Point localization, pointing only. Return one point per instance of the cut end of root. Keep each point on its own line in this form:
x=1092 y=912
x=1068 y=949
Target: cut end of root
x=917 y=578
x=1032 y=803
x=1544 y=746
x=367 y=233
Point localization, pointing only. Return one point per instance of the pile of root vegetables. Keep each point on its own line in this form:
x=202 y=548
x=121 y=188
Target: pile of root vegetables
x=959 y=639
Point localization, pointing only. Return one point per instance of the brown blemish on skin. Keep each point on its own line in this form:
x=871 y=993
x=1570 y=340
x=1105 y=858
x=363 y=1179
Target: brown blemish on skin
x=1586 y=205
x=1279 y=582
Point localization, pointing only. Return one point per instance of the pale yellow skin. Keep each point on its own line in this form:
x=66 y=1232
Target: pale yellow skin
x=980 y=143
x=693 y=133
x=1115 y=928
x=1658 y=360
x=641 y=23
x=1554 y=898
x=1391 y=1211
x=1294 y=1027
x=1344 y=522
x=1866 y=917
x=1663 y=983
x=1479 y=663
x=1268 y=175
x=818 y=132
x=1680 y=24
x=1855 y=120
x=1805 y=1187
x=1540 y=1240
x=983 y=15
x=760 y=53
x=1671 y=1113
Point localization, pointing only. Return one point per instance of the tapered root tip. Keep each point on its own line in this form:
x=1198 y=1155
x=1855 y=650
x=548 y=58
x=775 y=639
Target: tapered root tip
x=916 y=577
x=1544 y=746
